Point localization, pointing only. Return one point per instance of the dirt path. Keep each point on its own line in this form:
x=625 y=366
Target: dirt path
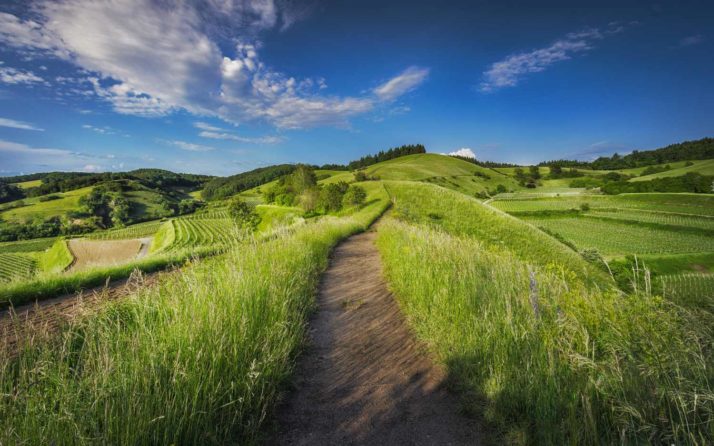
x=364 y=380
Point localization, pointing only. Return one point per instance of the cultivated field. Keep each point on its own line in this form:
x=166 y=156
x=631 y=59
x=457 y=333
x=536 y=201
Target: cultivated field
x=94 y=253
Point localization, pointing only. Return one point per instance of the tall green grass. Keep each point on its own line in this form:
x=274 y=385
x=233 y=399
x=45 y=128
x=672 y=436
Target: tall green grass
x=545 y=357
x=199 y=359
x=57 y=258
x=466 y=217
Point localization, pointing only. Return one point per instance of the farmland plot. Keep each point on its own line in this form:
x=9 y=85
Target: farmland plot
x=690 y=288
x=15 y=266
x=660 y=218
x=130 y=232
x=618 y=238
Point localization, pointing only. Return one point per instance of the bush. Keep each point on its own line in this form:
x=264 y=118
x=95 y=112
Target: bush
x=244 y=215
x=584 y=207
x=354 y=196
x=331 y=198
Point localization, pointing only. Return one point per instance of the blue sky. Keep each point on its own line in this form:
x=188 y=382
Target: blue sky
x=223 y=86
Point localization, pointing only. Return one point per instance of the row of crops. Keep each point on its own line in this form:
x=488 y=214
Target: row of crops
x=34 y=245
x=190 y=232
x=134 y=231
x=698 y=288
x=16 y=266
x=660 y=218
x=694 y=204
x=620 y=238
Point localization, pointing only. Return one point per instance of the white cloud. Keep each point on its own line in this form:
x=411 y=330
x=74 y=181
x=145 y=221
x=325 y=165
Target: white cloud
x=105 y=130
x=19 y=148
x=11 y=123
x=246 y=139
x=465 y=152
x=151 y=58
x=10 y=75
x=92 y=168
x=190 y=147
x=405 y=82
x=207 y=127
x=511 y=70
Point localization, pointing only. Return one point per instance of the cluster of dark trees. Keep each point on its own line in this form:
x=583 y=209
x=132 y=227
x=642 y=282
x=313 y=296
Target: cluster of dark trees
x=224 y=187
x=557 y=171
x=688 y=150
x=689 y=182
x=10 y=192
x=395 y=152
x=301 y=188
x=528 y=179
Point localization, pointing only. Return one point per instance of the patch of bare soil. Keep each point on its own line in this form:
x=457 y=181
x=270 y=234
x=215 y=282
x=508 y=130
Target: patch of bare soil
x=36 y=322
x=89 y=253
x=364 y=379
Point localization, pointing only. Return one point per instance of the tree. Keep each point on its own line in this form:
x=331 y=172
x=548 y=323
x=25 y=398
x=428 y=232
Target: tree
x=535 y=172
x=243 y=214
x=360 y=176
x=355 y=196
x=331 y=198
x=10 y=192
x=501 y=189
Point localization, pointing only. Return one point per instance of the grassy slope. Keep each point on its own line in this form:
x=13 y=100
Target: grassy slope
x=586 y=367
x=464 y=216
x=703 y=167
x=57 y=258
x=442 y=170
x=38 y=210
x=28 y=184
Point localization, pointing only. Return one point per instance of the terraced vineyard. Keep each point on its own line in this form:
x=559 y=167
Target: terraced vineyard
x=190 y=232
x=692 y=288
x=33 y=245
x=660 y=218
x=15 y=266
x=699 y=204
x=134 y=231
x=619 y=238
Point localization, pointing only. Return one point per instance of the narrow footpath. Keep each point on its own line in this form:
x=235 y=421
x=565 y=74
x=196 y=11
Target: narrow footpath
x=364 y=380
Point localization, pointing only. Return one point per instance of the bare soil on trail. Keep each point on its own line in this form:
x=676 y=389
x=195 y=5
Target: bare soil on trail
x=89 y=253
x=364 y=380
x=36 y=322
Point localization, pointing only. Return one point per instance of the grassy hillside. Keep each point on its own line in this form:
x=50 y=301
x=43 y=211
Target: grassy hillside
x=464 y=216
x=705 y=167
x=35 y=209
x=441 y=170
x=28 y=184
x=543 y=356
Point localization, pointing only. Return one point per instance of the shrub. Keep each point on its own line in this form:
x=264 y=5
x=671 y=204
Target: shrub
x=354 y=196
x=243 y=214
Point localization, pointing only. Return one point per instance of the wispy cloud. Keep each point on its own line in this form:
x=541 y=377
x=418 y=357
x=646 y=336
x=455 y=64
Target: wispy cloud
x=514 y=68
x=19 y=148
x=207 y=127
x=691 y=40
x=105 y=130
x=403 y=83
x=190 y=147
x=11 y=123
x=190 y=70
x=245 y=139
